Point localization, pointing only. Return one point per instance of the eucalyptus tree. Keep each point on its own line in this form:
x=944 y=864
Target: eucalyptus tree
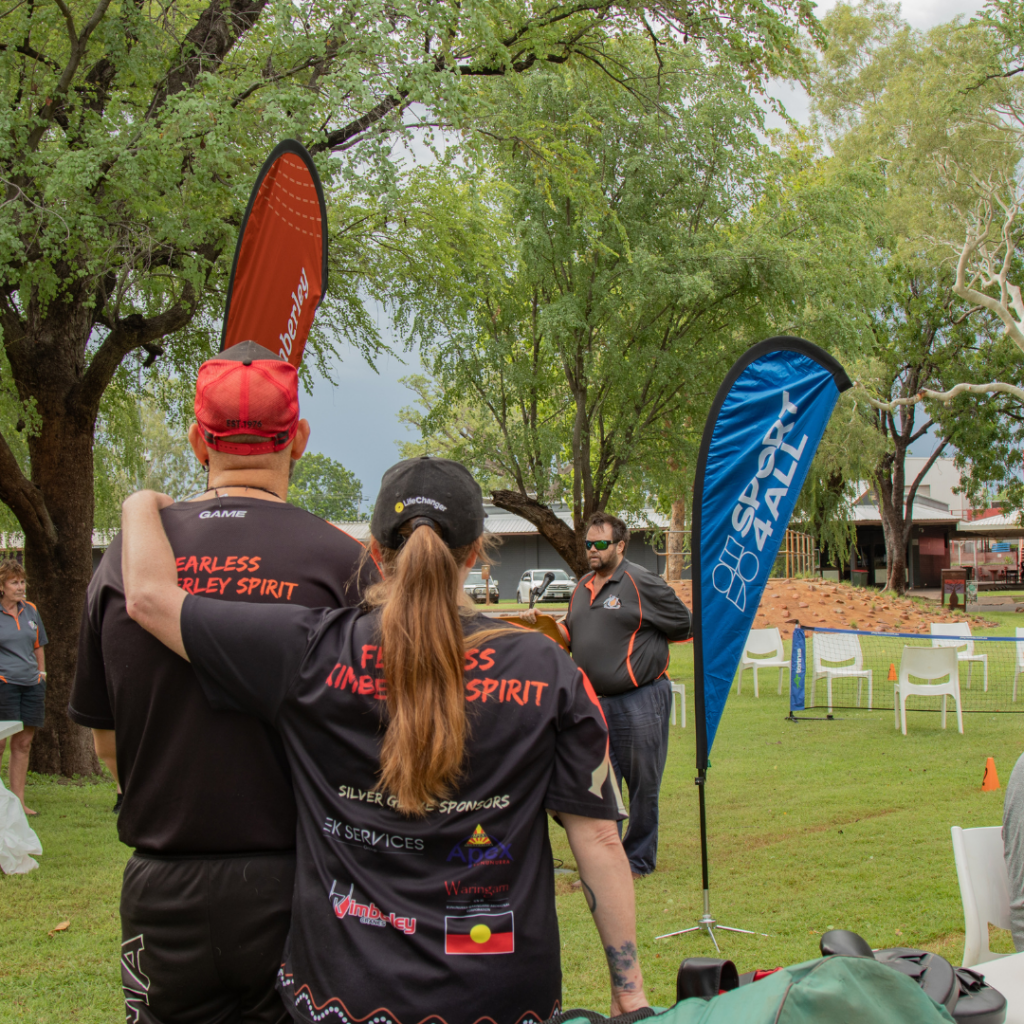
x=926 y=338
x=132 y=133
x=929 y=113
x=942 y=114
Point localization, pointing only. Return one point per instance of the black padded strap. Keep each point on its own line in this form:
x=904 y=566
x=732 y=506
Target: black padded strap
x=599 y=1018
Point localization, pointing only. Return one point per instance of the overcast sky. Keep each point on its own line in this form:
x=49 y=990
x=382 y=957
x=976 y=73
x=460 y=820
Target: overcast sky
x=357 y=421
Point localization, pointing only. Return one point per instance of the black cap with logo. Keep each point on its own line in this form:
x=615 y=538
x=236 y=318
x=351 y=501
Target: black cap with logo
x=436 y=489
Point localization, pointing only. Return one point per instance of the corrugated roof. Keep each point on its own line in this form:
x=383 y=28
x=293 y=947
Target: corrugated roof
x=505 y=524
x=921 y=514
x=1006 y=525
x=361 y=531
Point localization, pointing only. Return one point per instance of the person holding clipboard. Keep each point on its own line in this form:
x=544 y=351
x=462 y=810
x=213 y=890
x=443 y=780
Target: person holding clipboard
x=427 y=747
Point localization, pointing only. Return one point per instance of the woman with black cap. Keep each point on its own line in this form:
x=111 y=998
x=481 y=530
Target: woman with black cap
x=425 y=747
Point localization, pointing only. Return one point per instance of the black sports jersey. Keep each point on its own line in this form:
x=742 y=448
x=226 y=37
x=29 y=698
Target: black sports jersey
x=447 y=918
x=198 y=781
x=620 y=636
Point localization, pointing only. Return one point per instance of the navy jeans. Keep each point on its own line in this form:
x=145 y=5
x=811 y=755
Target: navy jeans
x=638 y=741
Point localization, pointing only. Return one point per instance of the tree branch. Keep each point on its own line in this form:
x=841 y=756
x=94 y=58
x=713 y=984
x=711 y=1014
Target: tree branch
x=128 y=333
x=908 y=515
x=560 y=536
x=943 y=396
x=210 y=40
x=338 y=138
x=24 y=499
x=78 y=47
x=27 y=51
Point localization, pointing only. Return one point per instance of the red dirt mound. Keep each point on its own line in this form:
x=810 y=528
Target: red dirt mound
x=841 y=606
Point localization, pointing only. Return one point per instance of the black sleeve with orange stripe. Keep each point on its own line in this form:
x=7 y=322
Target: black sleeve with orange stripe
x=662 y=608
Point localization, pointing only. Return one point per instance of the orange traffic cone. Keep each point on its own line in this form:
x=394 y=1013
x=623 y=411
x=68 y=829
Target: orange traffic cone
x=892 y=672
x=991 y=780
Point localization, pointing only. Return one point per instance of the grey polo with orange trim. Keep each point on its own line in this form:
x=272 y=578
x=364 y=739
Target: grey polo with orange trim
x=21 y=632
x=620 y=638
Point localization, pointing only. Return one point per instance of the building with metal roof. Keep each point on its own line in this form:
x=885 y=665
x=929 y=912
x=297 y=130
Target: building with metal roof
x=520 y=547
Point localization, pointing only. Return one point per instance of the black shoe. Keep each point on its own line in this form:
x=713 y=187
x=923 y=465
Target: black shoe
x=117 y=806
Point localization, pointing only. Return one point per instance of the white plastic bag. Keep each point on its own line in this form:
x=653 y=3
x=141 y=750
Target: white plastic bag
x=17 y=840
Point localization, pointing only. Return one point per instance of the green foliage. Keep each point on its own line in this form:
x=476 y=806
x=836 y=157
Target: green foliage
x=578 y=360
x=458 y=435
x=132 y=150
x=1005 y=20
x=326 y=488
x=848 y=454
x=937 y=113
x=918 y=111
x=134 y=131
x=137 y=448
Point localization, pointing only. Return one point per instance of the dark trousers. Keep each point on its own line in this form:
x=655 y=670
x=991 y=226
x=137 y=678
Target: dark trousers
x=202 y=938
x=638 y=741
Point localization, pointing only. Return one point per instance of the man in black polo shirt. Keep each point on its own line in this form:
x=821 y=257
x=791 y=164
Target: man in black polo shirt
x=208 y=802
x=620 y=620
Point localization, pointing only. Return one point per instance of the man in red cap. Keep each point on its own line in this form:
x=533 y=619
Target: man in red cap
x=208 y=804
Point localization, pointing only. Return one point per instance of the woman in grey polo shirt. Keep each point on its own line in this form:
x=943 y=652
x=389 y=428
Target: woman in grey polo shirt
x=22 y=670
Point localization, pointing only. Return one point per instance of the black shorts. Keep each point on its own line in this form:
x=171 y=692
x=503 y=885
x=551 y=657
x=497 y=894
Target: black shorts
x=25 y=704
x=201 y=939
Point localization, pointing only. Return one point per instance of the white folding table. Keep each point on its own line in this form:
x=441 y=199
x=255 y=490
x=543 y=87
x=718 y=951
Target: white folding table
x=9 y=729
x=1007 y=975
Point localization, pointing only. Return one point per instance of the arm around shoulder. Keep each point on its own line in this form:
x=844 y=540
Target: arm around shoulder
x=152 y=595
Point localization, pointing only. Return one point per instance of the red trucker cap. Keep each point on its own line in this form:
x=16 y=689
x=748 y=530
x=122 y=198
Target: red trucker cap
x=247 y=389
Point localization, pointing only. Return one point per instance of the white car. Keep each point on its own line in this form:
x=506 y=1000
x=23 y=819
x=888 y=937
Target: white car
x=560 y=589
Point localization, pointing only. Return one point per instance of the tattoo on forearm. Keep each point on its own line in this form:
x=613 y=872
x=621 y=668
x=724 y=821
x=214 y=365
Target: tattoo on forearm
x=588 y=893
x=621 y=961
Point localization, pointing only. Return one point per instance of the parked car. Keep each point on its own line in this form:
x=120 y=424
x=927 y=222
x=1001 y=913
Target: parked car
x=476 y=589
x=560 y=589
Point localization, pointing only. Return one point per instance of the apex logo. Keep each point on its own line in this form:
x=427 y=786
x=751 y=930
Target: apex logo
x=480 y=848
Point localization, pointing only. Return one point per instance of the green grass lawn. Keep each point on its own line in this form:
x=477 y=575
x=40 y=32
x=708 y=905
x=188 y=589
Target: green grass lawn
x=812 y=825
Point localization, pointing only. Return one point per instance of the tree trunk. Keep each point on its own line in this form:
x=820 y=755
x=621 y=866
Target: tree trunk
x=559 y=535
x=46 y=348
x=896 y=578
x=675 y=546
x=62 y=469
x=891 y=513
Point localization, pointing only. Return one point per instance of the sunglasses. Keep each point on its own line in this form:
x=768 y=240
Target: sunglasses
x=601 y=545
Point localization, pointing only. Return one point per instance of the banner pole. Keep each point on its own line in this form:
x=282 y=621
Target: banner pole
x=763 y=428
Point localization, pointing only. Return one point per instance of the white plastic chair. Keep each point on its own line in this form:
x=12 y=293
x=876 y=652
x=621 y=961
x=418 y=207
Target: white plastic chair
x=838 y=649
x=1019 y=661
x=959 y=629
x=767 y=644
x=984 y=888
x=679 y=688
x=927 y=663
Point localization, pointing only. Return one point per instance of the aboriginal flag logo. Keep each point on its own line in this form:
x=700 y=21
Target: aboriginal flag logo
x=478 y=934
